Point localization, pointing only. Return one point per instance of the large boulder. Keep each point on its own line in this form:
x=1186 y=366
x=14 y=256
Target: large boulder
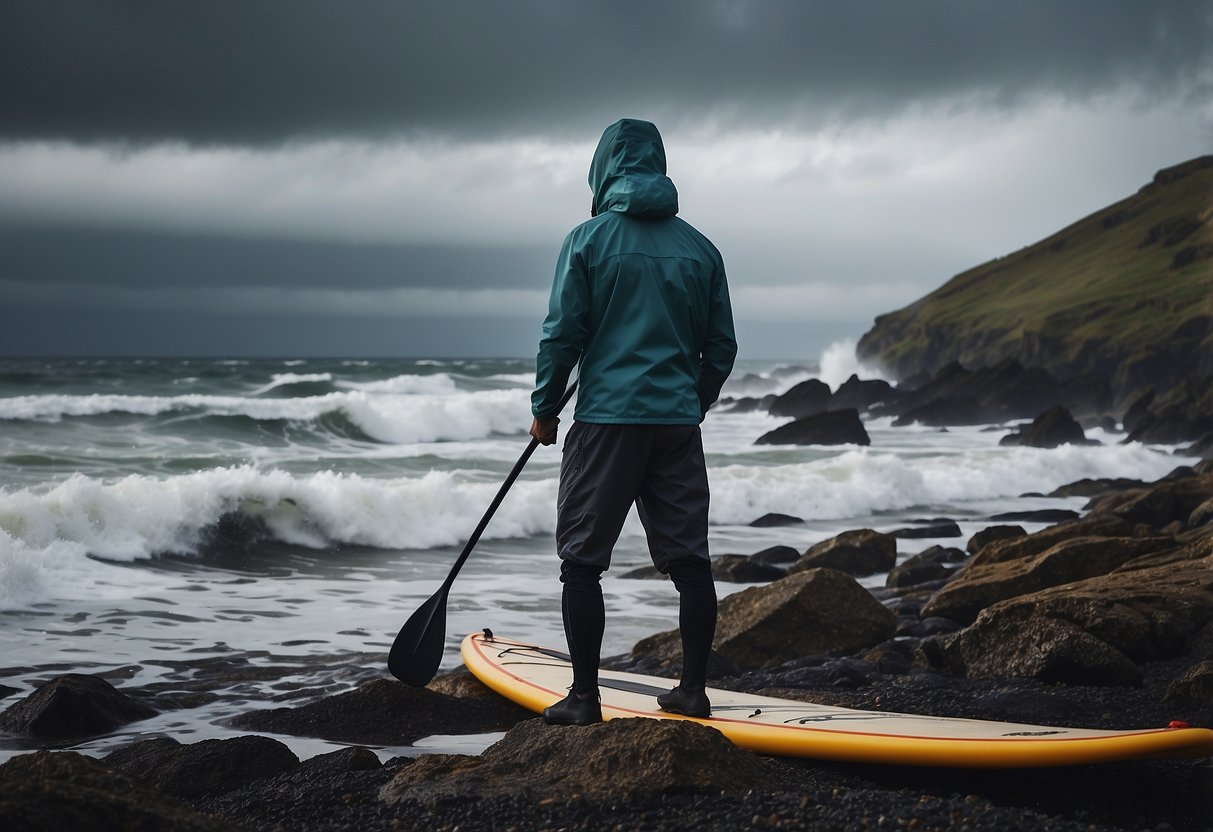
x=991 y=533
x=73 y=705
x=812 y=613
x=203 y=768
x=742 y=569
x=1158 y=504
x=862 y=394
x=858 y=552
x=623 y=757
x=386 y=711
x=1097 y=631
x=1016 y=547
x=1051 y=429
x=980 y=585
x=68 y=791
x=805 y=399
x=933 y=564
x=837 y=427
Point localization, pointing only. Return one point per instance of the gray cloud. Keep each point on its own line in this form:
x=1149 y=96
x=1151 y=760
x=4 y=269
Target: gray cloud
x=269 y=72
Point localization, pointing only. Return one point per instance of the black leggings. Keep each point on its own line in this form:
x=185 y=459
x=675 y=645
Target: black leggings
x=585 y=619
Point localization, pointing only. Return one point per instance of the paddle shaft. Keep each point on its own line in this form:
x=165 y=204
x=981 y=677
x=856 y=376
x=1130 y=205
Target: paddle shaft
x=505 y=487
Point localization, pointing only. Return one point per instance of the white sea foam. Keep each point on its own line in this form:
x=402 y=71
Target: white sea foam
x=139 y=517
x=436 y=384
x=839 y=363
x=863 y=481
x=419 y=417
x=282 y=379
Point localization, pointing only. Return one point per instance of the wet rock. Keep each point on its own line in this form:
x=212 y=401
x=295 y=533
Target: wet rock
x=858 y=552
x=203 y=768
x=836 y=427
x=948 y=529
x=1041 y=515
x=774 y=519
x=944 y=412
x=68 y=791
x=980 y=585
x=991 y=533
x=1201 y=515
x=73 y=705
x=644 y=573
x=1194 y=688
x=741 y=569
x=1096 y=487
x=1097 y=631
x=1013 y=548
x=928 y=627
x=623 y=757
x=807 y=398
x=384 y=711
x=814 y=612
x=1051 y=429
x=860 y=394
x=774 y=555
x=6 y=691
x=1158 y=504
x=932 y=564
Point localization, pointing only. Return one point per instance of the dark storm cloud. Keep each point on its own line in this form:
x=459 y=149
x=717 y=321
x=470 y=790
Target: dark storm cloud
x=136 y=259
x=265 y=72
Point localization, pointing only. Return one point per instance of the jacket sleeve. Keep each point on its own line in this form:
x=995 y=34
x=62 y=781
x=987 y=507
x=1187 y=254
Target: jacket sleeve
x=564 y=332
x=719 y=346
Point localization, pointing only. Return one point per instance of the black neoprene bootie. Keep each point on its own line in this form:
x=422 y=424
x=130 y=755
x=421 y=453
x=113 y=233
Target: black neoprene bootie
x=573 y=710
x=686 y=702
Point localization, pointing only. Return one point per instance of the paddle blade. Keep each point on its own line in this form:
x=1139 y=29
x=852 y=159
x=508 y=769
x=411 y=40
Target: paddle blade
x=417 y=650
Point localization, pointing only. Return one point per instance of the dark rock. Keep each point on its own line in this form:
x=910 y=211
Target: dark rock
x=860 y=395
x=203 y=768
x=6 y=691
x=836 y=427
x=774 y=519
x=1051 y=429
x=930 y=565
x=980 y=585
x=773 y=555
x=746 y=404
x=991 y=533
x=1137 y=411
x=1158 y=504
x=73 y=705
x=1095 y=488
x=859 y=552
x=945 y=412
x=1202 y=515
x=644 y=573
x=740 y=569
x=1097 y=631
x=949 y=529
x=805 y=399
x=633 y=757
x=1043 y=515
x=928 y=627
x=64 y=790
x=815 y=612
x=1193 y=688
x=1182 y=414
x=385 y=711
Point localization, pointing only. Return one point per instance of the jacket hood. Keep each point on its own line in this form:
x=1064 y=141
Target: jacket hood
x=628 y=172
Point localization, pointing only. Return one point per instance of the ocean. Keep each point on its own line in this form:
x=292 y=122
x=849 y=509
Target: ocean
x=239 y=534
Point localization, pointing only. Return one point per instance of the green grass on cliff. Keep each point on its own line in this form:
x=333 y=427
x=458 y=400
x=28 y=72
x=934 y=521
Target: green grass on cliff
x=1113 y=287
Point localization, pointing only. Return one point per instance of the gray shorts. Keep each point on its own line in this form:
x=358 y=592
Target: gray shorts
x=607 y=468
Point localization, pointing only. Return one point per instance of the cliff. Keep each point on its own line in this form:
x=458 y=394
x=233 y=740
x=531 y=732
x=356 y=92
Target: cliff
x=1126 y=293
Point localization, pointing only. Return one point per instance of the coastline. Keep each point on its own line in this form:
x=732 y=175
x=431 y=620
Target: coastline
x=911 y=673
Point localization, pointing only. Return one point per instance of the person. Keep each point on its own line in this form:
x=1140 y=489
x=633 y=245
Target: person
x=640 y=302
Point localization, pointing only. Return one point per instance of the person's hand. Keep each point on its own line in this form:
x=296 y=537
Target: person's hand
x=545 y=431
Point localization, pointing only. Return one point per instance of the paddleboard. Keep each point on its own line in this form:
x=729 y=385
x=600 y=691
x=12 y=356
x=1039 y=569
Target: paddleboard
x=535 y=677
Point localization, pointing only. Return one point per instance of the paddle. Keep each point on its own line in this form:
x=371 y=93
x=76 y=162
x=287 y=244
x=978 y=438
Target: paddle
x=417 y=650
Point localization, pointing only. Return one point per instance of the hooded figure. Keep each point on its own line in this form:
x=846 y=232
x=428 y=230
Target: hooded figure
x=641 y=304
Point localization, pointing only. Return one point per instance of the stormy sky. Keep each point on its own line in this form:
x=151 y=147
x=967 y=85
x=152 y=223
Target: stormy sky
x=394 y=178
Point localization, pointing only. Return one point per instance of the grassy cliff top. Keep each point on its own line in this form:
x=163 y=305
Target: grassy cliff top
x=1118 y=286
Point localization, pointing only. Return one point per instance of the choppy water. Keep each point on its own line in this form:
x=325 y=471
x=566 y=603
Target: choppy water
x=183 y=523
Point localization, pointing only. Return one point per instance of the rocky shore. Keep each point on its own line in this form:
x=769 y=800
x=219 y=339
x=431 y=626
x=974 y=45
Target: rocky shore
x=1101 y=620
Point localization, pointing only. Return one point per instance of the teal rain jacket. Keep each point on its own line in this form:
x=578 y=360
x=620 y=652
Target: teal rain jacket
x=639 y=299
